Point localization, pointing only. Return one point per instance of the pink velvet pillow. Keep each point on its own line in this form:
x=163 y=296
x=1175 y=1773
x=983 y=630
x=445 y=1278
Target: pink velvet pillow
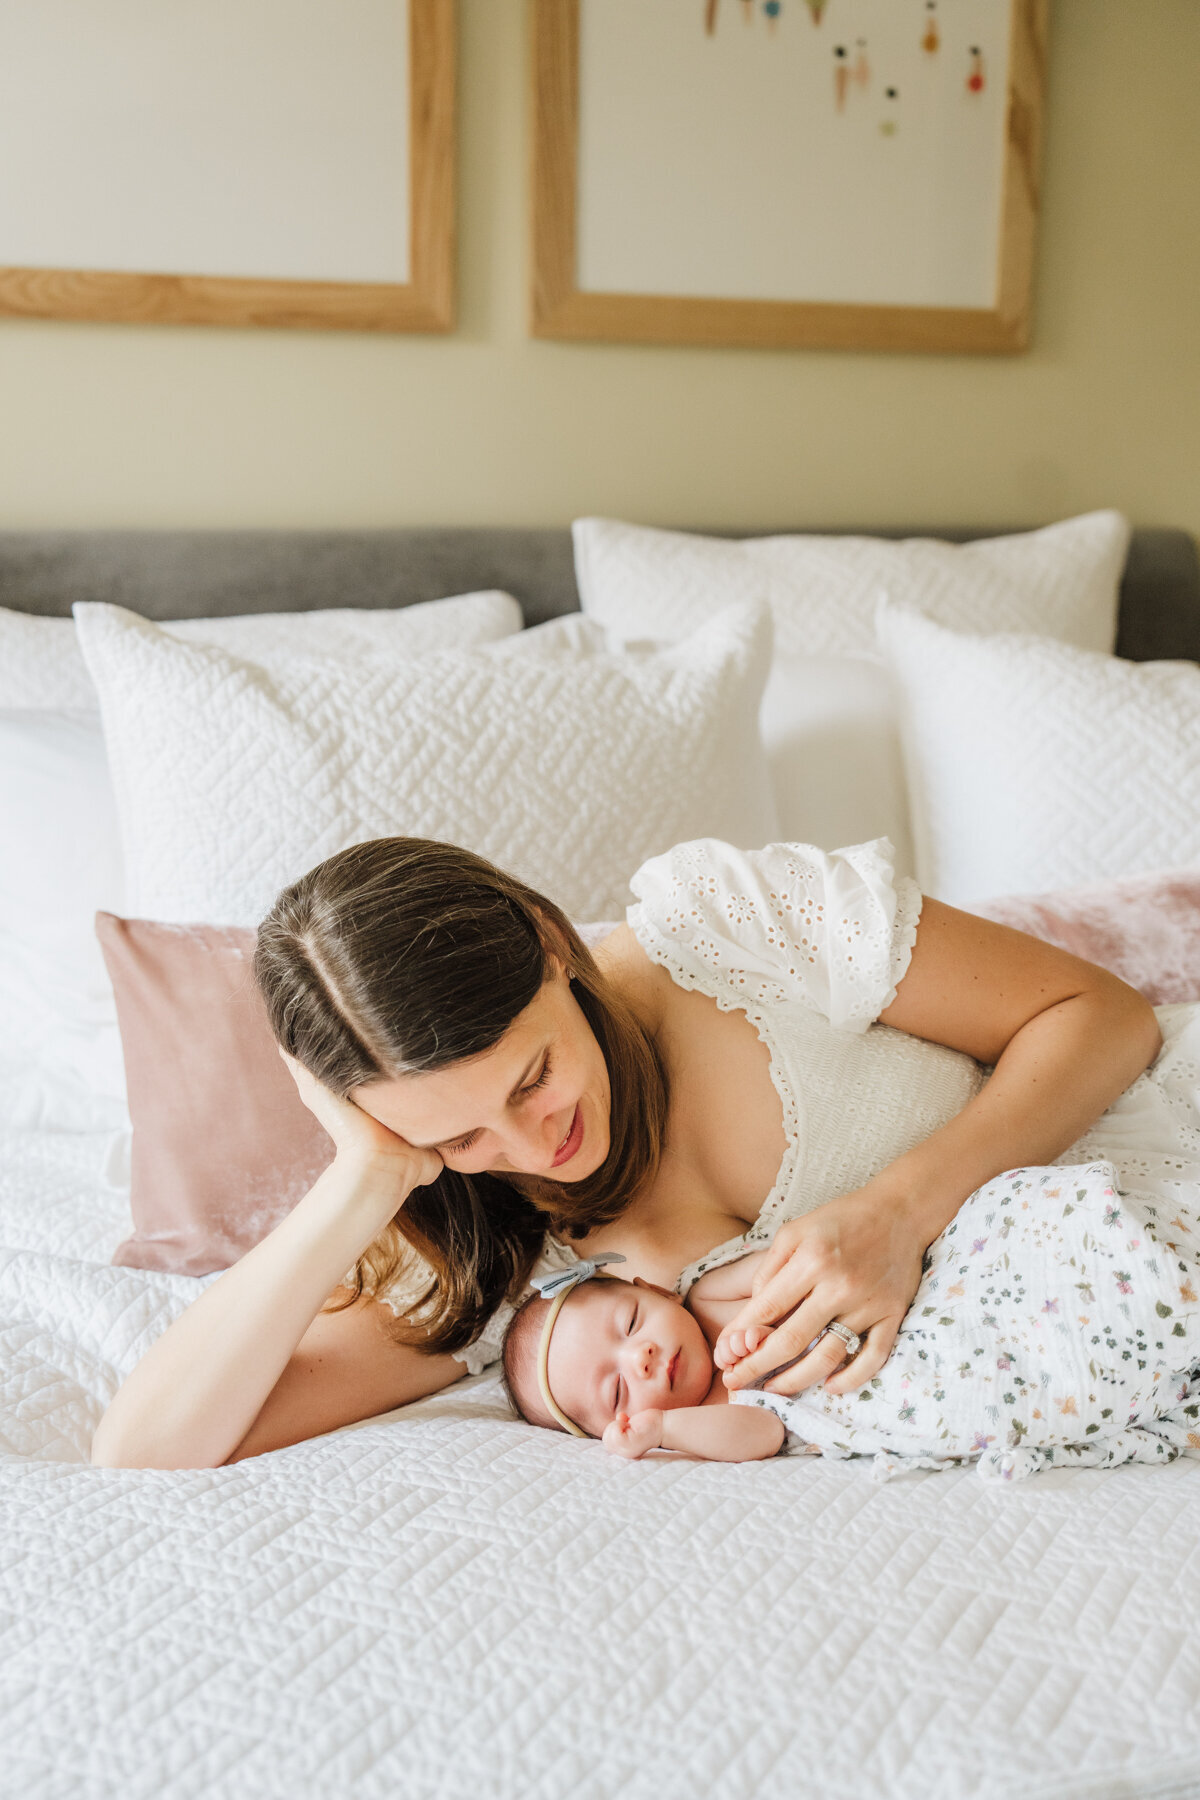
x=222 y=1146
x=1146 y=928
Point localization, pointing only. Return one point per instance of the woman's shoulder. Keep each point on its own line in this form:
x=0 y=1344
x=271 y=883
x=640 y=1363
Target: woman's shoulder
x=643 y=984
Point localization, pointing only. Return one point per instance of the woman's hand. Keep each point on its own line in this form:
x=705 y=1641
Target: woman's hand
x=856 y=1260
x=360 y=1138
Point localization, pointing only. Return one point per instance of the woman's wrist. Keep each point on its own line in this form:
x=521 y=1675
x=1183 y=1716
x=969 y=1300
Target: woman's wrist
x=375 y=1169
x=362 y=1191
x=922 y=1198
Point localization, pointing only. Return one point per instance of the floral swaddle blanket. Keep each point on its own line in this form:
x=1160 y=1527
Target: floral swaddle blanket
x=1057 y=1324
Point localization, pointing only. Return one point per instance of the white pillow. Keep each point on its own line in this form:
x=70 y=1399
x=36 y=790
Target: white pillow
x=41 y=665
x=1034 y=766
x=566 y=763
x=829 y=725
x=60 y=1054
x=1061 y=581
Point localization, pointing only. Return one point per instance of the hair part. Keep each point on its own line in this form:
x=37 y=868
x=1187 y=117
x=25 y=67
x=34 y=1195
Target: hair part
x=406 y=954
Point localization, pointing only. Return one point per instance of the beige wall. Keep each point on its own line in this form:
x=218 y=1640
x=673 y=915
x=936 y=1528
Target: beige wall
x=157 y=426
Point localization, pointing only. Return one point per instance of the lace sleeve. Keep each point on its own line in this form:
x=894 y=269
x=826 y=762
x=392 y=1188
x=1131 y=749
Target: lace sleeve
x=832 y=929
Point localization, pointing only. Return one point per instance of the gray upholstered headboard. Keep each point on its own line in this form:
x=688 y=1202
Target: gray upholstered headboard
x=205 y=574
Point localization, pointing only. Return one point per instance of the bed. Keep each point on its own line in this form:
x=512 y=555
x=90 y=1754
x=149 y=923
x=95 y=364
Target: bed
x=448 y=1603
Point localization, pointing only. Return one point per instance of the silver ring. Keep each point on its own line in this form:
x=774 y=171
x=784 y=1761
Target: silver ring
x=850 y=1338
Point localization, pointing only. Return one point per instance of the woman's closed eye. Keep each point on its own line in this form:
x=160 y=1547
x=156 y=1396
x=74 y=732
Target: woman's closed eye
x=531 y=1087
x=463 y=1144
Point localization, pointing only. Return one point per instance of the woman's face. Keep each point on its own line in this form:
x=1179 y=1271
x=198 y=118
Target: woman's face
x=537 y=1103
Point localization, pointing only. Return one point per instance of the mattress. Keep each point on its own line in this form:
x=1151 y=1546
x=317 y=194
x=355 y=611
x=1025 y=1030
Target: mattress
x=450 y=1603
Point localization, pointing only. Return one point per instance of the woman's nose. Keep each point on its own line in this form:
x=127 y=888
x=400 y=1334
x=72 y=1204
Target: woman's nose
x=535 y=1138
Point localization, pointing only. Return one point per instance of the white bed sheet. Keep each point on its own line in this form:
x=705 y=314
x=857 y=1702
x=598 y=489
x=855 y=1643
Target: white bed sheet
x=448 y=1603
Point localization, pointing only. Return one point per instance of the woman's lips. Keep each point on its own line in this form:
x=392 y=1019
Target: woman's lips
x=570 y=1144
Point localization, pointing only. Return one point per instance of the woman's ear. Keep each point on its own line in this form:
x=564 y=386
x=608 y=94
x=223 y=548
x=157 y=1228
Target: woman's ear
x=554 y=945
x=652 y=1287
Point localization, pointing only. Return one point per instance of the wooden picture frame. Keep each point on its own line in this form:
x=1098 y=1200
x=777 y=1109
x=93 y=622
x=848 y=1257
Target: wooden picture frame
x=423 y=303
x=562 y=309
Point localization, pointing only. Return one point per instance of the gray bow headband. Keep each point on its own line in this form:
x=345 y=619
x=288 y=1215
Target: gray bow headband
x=561 y=1280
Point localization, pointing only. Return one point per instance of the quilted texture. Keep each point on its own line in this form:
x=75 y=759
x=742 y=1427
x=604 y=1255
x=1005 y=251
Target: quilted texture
x=1061 y=581
x=567 y=764
x=1034 y=766
x=41 y=665
x=453 y=1606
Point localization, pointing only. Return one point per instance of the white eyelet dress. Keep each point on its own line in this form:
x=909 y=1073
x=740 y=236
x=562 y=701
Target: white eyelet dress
x=811 y=945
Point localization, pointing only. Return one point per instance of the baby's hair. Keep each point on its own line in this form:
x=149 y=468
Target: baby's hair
x=519 y=1356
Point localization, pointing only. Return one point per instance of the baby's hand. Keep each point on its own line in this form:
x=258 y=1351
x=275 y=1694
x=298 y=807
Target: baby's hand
x=733 y=1345
x=632 y=1437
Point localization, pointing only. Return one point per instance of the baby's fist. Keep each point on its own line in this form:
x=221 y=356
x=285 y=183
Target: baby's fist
x=632 y=1437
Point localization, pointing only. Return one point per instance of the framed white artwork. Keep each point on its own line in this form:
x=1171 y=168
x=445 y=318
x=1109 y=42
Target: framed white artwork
x=837 y=173
x=236 y=162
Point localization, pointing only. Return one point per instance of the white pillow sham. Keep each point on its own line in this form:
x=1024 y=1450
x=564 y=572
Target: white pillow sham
x=60 y=1054
x=562 y=761
x=829 y=722
x=1034 y=766
x=41 y=665
x=1061 y=582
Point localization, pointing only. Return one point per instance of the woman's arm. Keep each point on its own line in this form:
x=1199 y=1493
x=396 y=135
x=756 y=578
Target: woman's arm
x=346 y=1367
x=250 y=1366
x=1066 y=1039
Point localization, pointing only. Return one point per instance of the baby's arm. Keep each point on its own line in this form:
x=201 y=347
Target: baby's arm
x=716 y=1433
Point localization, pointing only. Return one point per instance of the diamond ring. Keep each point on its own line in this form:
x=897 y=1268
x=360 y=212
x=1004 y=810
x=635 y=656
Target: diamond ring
x=850 y=1338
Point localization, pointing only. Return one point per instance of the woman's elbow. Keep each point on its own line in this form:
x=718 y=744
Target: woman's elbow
x=111 y=1450
x=1134 y=1024
x=117 y=1447
x=1151 y=1031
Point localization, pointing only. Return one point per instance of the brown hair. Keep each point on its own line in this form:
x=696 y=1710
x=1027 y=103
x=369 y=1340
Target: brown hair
x=405 y=954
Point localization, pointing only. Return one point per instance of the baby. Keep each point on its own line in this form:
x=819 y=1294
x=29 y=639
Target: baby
x=632 y=1364
x=1057 y=1323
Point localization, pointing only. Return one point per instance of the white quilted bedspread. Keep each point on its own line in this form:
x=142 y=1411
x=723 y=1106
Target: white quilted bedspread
x=451 y=1604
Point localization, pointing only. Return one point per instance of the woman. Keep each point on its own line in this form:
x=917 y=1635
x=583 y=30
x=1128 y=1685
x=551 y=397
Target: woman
x=782 y=1047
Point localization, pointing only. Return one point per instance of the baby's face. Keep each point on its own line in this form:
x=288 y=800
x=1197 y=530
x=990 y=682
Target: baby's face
x=620 y=1347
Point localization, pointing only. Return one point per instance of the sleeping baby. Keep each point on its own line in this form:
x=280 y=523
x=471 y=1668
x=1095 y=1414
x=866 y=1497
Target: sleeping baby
x=1057 y=1324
